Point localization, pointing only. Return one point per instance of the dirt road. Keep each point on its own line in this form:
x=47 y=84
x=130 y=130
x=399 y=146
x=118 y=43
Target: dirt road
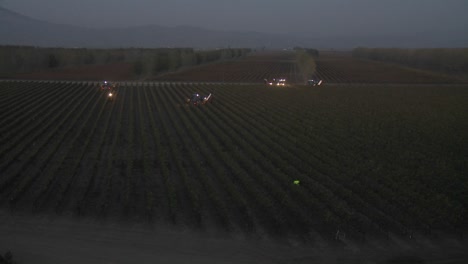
x=42 y=239
x=53 y=239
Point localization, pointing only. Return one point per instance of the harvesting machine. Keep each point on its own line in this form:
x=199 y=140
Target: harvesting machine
x=198 y=99
x=105 y=85
x=274 y=81
x=110 y=88
x=314 y=82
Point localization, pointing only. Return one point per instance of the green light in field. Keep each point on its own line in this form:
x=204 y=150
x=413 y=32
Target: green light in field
x=296 y=182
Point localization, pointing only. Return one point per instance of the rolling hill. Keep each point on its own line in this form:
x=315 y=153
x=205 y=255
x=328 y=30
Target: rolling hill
x=17 y=29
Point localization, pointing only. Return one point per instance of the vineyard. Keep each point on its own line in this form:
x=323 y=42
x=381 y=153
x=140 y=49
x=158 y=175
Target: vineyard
x=332 y=67
x=371 y=162
x=341 y=67
x=250 y=69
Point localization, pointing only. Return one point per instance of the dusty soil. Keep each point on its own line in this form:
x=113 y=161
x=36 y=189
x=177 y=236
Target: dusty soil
x=61 y=239
x=42 y=239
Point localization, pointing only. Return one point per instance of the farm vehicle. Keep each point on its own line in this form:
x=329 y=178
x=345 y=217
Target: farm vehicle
x=274 y=81
x=110 y=89
x=105 y=85
x=198 y=99
x=314 y=82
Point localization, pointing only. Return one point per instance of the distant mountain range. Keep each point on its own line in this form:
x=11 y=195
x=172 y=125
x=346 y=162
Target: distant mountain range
x=17 y=29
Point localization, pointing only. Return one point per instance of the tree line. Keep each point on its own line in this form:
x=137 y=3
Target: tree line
x=24 y=59
x=154 y=61
x=452 y=61
x=312 y=52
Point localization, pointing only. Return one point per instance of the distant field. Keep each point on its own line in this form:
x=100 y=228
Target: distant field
x=375 y=162
x=332 y=67
x=253 y=69
x=340 y=67
x=116 y=71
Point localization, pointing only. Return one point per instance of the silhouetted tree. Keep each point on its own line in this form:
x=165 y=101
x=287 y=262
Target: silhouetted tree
x=7 y=259
x=138 y=68
x=52 y=61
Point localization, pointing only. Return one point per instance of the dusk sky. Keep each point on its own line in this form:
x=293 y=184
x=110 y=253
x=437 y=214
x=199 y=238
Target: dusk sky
x=325 y=17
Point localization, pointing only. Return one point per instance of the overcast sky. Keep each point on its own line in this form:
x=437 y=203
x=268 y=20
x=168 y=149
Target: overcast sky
x=327 y=17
